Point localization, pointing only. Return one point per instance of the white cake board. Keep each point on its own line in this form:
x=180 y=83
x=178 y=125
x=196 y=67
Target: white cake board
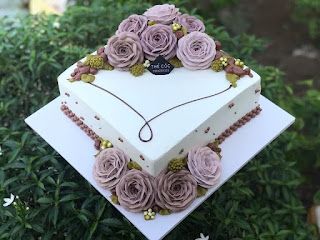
x=77 y=148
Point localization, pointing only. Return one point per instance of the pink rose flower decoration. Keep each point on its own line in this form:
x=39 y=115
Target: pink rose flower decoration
x=191 y=23
x=205 y=165
x=164 y=14
x=134 y=23
x=196 y=51
x=135 y=191
x=124 y=50
x=158 y=40
x=175 y=190
x=109 y=167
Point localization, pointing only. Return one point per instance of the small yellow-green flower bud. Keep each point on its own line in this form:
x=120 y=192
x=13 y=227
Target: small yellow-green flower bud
x=137 y=70
x=217 y=66
x=176 y=164
x=94 y=61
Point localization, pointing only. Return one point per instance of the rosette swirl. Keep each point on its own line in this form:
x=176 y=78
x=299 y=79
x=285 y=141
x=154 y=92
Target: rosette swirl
x=164 y=13
x=124 y=50
x=196 y=51
x=158 y=40
x=135 y=191
x=109 y=167
x=175 y=190
x=134 y=23
x=205 y=165
x=191 y=23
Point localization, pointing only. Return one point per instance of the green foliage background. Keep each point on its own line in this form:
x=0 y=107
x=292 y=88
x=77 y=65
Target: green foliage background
x=258 y=203
x=308 y=12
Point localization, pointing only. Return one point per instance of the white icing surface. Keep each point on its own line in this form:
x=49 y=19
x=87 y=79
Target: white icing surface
x=181 y=128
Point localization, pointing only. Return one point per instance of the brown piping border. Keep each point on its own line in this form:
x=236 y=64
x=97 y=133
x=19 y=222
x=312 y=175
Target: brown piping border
x=242 y=121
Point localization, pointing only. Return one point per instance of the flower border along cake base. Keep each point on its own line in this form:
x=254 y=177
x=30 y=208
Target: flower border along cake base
x=77 y=149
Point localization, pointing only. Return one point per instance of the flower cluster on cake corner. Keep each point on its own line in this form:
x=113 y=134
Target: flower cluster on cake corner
x=173 y=190
x=162 y=33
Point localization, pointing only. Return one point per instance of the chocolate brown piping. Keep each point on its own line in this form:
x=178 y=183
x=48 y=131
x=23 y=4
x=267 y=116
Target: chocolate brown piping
x=79 y=122
x=242 y=121
x=246 y=118
x=147 y=122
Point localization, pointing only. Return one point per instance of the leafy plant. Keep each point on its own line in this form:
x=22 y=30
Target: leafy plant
x=258 y=203
x=308 y=12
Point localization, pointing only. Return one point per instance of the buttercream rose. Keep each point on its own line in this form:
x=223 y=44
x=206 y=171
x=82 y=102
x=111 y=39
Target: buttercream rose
x=124 y=50
x=158 y=40
x=196 y=51
x=205 y=165
x=109 y=167
x=175 y=190
x=135 y=191
x=191 y=23
x=134 y=23
x=164 y=13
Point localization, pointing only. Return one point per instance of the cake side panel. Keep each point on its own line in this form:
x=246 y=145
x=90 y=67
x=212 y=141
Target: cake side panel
x=100 y=126
x=209 y=130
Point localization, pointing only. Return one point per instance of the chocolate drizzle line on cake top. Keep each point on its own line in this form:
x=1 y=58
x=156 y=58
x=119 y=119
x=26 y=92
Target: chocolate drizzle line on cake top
x=147 y=122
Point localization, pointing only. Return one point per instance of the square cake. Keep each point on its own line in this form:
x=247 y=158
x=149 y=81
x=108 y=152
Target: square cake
x=157 y=100
x=175 y=132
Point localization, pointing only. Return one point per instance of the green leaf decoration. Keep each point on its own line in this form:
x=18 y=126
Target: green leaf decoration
x=108 y=67
x=87 y=78
x=114 y=199
x=176 y=62
x=232 y=78
x=164 y=212
x=134 y=165
x=201 y=191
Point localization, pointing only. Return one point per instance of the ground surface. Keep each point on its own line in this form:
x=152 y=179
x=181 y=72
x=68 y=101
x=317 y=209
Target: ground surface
x=289 y=46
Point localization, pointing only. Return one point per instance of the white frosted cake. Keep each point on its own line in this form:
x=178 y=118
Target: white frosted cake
x=157 y=100
x=175 y=132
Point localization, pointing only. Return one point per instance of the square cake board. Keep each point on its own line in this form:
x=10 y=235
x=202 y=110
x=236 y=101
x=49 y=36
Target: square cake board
x=78 y=150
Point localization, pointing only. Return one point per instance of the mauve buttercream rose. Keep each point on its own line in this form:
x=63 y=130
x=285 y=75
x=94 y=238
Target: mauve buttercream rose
x=164 y=13
x=205 y=165
x=134 y=23
x=191 y=23
x=124 y=50
x=109 y=167
x=196 y=51
x=175 y=190
x=158 y=40
x=135 y=191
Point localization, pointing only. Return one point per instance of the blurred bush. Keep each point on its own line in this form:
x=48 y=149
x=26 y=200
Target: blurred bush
x=308 y=12
x=258 y=203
